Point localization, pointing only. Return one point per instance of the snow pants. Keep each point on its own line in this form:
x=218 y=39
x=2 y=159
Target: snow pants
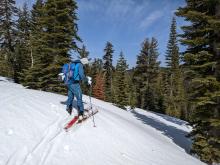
x=75 y=90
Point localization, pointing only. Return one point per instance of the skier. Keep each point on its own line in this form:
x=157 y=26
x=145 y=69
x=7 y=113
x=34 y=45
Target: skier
x=73 y=85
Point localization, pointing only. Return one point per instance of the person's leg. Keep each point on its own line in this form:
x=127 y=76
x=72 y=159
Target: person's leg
x=69 y=105
x=78 y=94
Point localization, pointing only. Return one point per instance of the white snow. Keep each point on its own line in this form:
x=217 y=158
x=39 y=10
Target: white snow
x=31 y=133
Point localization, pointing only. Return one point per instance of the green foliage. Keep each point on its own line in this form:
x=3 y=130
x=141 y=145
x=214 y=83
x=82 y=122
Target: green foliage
x=35 y=46
x=161 y=87
x=131 y=89
x=5 y=69
x=108 y=70
x=59 y=38
x=121 y=85
x=140 y=74
x=32 y=76
x=146 y=76
x=22 y=48
x=7 y=38
x=53 y=36
x=202 y=60
x=174 y=94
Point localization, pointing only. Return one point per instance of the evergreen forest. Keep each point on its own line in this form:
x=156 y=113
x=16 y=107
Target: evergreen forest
x=35 y=43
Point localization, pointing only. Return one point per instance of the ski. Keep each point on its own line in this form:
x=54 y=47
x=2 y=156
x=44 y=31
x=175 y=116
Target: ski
x=71 y=122
x=76 y=121
x=90 y=115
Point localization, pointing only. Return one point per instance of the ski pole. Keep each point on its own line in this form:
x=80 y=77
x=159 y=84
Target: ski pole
x=90 y=99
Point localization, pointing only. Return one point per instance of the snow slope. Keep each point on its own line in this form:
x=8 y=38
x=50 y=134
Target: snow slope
x=31 y=133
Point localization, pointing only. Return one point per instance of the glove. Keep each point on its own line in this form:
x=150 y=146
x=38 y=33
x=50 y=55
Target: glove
x=89 y=80
x=61 y=76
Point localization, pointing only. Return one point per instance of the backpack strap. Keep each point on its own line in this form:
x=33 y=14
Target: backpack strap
x=69 y=65
x=67 y=73
x=76 y=71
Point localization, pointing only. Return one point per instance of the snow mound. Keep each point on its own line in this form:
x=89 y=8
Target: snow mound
x=4 y=79
x=31 y=133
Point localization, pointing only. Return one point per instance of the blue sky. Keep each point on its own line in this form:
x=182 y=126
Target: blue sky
x=125 y=23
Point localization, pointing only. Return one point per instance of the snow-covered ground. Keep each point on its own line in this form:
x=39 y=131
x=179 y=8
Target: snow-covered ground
x=31 y=133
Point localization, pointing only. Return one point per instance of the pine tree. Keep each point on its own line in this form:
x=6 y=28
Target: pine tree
x=5 y=69
x=151 y=92
x=108 y=70
x=153 y=62
x=146 y=76
x=161 y=88
x=201 y=57
x=96 y=67
x=33 y=75
x=7 y=37
x=140 y=74
x=175 y=94
x=131 y=89
x=121 y=83
x=59 y=38
x=98 y=88
x=54 y=35
x=172 y=53
x=22 y=48
x=83 y=53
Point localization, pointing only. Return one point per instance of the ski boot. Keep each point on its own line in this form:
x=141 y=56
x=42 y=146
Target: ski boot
x=80 y=116
x=69 y=110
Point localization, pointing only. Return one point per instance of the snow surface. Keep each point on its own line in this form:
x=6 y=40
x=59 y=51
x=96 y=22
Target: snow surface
x=31 y=133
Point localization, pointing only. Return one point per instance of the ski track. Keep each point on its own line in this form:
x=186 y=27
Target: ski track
x=47 y=145
x=42 y=151
x=50 y=137
x=17 y=157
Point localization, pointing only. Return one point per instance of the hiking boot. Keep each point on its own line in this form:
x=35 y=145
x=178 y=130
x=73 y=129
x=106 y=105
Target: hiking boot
x=69 y=110
x=81 y=113
x=86 y=114
x=80 y=118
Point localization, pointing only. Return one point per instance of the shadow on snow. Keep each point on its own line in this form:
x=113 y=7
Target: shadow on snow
x=178 y=136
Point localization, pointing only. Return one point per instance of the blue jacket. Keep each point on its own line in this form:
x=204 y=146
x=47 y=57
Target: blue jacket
x=78 y=72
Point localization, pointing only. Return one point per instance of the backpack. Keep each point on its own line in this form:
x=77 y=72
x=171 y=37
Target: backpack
x=71 y=72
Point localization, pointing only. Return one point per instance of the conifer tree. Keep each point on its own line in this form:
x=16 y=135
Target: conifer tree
x=121 y=85
x=161 y=87
x=175 y=94
x=172 y=53
x=33 y=75
x=140 y=74
x=59 y=38
x=83 y=53
x=22 y=48
x=96 y=68
x=146 y=76
x=7 y=37
x=5 y=69
x=153 y=61
x=201 y=57
x=108 y=70
x=98 y=88
x=131 y=89
x=151 y=92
